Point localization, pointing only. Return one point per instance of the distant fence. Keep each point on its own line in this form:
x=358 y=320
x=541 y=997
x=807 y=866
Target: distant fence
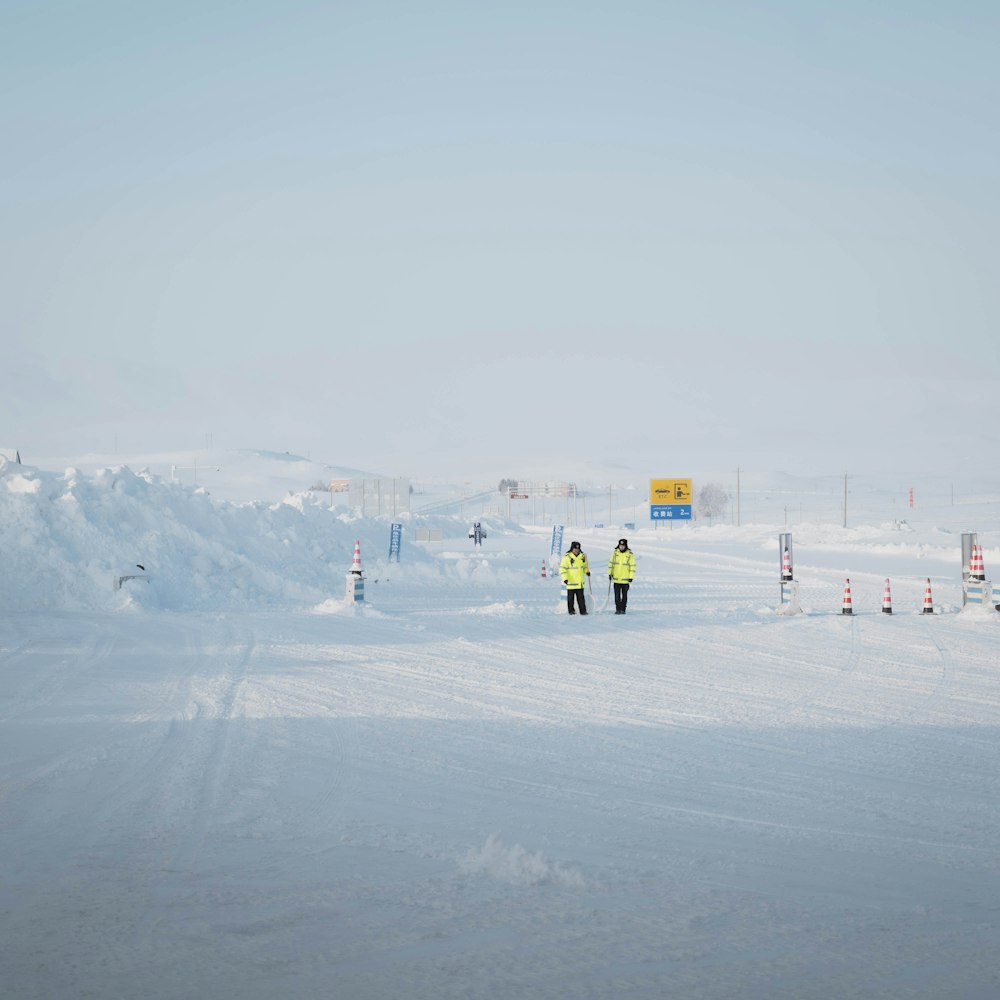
x=458 y=505
x=379 y=496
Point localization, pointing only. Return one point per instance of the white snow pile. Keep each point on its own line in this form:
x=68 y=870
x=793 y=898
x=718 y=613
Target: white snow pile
x=517 y=866
x=500 y=608
x=66 y=537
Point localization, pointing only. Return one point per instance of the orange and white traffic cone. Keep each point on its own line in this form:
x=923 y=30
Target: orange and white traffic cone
x=928 y=600
x=543 y=569
x=847 y=607
x=786 y=566
x=976 y=571
x=356 y=562
x=886 y=599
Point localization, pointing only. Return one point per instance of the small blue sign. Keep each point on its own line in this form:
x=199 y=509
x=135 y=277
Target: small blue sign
x=395 y=541
x=557 y=540
x=670 y=512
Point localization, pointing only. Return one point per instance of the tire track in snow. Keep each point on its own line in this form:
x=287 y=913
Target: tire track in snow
x=177 y=796
x=313 y=724
x=187 y=767
x=53 y=670
x=54 y=680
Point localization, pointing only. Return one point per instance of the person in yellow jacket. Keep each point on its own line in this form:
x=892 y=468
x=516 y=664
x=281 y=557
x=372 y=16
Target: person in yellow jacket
x=621 y=571
x=574 y=572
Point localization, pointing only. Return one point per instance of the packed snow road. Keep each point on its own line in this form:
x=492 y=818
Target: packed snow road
x=457 y=791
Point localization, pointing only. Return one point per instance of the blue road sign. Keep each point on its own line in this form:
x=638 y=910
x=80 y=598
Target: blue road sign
x=670 y=512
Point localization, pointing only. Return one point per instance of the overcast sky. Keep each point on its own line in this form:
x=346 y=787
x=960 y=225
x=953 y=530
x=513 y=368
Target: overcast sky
x=388 y=234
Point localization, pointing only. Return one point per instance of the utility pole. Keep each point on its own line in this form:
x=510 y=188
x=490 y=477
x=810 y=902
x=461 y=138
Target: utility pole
x=737 y=497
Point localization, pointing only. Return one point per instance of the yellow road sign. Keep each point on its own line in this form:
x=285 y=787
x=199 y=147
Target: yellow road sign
x=670 y=491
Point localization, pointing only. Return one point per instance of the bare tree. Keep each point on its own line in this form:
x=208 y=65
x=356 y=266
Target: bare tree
x=712 y=500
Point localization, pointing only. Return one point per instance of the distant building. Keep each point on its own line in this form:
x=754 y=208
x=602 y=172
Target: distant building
x=11 y=454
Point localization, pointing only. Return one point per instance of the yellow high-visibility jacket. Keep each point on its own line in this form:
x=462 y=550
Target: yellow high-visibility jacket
x=574 y=570
x=621 y=566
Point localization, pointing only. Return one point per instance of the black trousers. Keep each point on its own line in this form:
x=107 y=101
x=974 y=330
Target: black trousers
x=621 y=596
x=579 y=600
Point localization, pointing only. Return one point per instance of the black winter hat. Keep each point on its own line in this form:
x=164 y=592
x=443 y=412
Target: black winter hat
x=623 y=541
x=575 y=545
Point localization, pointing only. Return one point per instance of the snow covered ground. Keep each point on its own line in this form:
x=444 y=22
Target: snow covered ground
x=223 y=781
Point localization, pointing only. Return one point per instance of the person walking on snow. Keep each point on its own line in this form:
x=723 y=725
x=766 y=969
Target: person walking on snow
x=574 y=571
x=621 y=571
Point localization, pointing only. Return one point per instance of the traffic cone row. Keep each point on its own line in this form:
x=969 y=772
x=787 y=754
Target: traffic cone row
x=847 y=604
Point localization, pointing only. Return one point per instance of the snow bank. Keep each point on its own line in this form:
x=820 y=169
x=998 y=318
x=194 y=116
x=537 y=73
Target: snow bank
x=66 y=537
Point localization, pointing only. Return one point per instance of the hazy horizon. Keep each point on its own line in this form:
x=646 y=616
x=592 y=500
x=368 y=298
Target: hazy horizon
x=408 y=236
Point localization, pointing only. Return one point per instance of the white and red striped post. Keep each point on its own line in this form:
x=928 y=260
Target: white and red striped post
x=976 y=571
x=355 y=578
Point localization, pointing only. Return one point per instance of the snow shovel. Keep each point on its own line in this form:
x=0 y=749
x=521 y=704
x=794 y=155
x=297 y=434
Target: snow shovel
x=607 y=600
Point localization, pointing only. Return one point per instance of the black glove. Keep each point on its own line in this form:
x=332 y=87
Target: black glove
x=610 y=577
x=630 y=581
